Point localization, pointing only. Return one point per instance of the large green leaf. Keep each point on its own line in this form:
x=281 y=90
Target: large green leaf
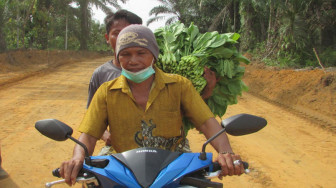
x=169 y=37
x=193 y=32
x=221 y=52
x=234 y=87
x=219 y=41
x=178 y=29
x=239 y=57
x=204 y=40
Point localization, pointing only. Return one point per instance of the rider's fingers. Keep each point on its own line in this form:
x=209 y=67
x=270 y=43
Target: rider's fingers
x=68 y=168
x=229 y=162
x=75 y=172
x=242 y=169
x=238 y=168
x=61 y=170
x=225 y=164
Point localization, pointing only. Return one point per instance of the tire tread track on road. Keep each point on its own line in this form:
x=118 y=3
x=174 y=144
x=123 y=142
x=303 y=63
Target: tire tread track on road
x=318 y=119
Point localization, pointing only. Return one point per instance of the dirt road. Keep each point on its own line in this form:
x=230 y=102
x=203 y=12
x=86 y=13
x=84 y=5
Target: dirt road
x=290 y=152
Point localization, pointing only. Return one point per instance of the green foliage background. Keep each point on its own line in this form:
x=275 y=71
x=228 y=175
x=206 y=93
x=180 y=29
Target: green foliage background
x=280 y=33
x=47 y=24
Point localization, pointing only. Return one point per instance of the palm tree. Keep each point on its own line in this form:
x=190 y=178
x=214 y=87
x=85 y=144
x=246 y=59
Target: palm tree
x=224 y=13
x=85 y=16
x=173 y=9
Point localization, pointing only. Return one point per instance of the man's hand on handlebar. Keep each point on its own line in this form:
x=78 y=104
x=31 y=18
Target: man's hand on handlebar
x=70 y=169
x=226 y=161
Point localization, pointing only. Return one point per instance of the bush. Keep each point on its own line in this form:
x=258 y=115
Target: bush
x=328 y=57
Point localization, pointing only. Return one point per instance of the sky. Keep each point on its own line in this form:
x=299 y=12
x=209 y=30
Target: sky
x=139 y=7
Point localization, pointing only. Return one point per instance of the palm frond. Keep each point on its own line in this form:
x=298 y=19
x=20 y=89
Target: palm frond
x=160 y=10
x=102 y=4
x=165 y=2
x=154 y=19
x=171 y=20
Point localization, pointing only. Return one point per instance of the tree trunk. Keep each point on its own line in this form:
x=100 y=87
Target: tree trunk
x=25 y=20
x=273 y=39
x=84 y=8
x=3 y=45
x=234 y=15
x=17 y=29
x=66 y=30
x=270 y=21
x=216 y=21
x=247 y=39
x=41 y=16
x=263 y=33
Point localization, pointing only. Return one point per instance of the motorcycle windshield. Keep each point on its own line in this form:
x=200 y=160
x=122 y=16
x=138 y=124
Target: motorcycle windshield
x=146 y=163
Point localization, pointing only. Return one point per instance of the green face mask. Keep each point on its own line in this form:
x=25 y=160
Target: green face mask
x=139 y=76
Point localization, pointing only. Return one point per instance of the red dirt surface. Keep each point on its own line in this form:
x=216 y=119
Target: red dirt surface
x=295 y=149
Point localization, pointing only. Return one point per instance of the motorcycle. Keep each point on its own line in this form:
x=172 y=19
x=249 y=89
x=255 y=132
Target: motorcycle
x=150 y=167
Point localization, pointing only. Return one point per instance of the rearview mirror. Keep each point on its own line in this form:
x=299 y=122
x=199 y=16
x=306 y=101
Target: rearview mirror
x=243 y=124
x=237 y=125
x=54 y=129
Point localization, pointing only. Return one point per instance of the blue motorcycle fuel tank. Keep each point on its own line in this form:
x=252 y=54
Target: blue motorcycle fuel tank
x=147 y=167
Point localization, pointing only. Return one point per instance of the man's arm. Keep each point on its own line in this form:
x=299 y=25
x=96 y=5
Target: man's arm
x=223 y=147
x=69 y=169
x=92 y=89
x=106 y=138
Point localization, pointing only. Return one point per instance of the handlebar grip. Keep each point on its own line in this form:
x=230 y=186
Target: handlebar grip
x=217 y=167
x=245 y=164
x=56 y=173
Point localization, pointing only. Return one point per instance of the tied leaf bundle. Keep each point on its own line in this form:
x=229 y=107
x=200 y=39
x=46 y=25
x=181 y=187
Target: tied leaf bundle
x=186 y=51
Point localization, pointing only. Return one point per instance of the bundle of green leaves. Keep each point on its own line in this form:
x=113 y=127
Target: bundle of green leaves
x=186 y=51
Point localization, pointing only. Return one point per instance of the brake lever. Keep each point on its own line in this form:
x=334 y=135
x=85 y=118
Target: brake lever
x=78 y=180
x=211 y=175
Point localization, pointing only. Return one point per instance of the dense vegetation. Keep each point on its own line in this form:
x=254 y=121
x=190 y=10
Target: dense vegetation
x=48 y=24
x=283 y=33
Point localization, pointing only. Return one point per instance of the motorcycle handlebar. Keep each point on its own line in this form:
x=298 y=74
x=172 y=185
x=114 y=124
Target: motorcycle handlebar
x=81 y=176
x=56 y=173
x=217 y=167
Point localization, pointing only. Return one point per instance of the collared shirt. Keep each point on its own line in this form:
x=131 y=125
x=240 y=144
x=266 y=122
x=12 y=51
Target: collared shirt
x=170 y=96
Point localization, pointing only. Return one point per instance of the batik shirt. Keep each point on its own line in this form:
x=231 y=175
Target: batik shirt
x=159 y=125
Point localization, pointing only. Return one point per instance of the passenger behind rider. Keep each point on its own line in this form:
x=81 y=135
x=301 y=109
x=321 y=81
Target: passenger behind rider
x=110 y=70
x=114 y=23
x=145 y=93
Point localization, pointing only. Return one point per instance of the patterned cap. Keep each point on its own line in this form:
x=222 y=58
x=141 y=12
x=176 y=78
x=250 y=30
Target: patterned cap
x=137 y=36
